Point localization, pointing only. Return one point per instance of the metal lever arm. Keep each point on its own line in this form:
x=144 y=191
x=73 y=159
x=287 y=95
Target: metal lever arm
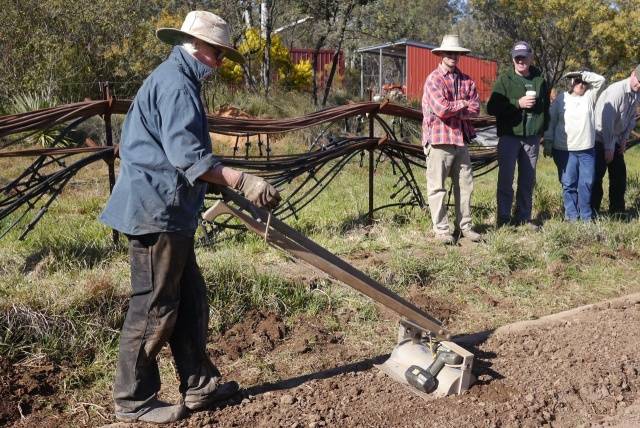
x=288 y=239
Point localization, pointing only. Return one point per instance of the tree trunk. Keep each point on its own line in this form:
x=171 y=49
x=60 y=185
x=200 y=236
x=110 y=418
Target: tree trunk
x=267 y=26
x=247 y=15
x=336 y=54
x=316 y=53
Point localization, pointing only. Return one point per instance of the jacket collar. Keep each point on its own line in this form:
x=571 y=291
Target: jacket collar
x=190 y=66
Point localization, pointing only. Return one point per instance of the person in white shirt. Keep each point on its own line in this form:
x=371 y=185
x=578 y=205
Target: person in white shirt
x=616 y=116
x=571 y=137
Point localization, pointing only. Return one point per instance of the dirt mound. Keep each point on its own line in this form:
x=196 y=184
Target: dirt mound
x=259 y=332
x=442 y=310
x=24 y=386
x=308 y=336
x=579 y=370
x=573 y=372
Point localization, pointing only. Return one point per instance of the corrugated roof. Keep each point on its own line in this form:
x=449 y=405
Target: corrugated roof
x=397 y=48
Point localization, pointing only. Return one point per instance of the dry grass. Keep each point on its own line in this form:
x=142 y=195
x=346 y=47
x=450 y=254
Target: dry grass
x=64 y=289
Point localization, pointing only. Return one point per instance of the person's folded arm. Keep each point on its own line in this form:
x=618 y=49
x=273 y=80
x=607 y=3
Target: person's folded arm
x=473 y=108
x=435 y=97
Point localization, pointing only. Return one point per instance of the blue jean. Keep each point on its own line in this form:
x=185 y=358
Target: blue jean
x=522 y=151
x=576 y=171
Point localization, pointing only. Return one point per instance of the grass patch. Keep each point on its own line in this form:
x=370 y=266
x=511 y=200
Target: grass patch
x=63 y=290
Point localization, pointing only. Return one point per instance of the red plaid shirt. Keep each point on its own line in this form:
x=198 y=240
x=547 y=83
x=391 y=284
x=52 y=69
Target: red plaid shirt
x=445 y=116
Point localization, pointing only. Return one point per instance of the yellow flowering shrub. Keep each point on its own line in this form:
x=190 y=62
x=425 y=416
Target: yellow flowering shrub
x=291 y=76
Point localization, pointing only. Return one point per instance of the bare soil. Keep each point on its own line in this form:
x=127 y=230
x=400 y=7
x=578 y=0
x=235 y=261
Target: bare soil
x=577 y=369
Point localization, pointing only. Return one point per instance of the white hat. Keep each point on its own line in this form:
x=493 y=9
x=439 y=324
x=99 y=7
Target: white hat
x=205 y=26
x=451 y=43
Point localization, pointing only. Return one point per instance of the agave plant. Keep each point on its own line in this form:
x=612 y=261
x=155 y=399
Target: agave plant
x=55 y=136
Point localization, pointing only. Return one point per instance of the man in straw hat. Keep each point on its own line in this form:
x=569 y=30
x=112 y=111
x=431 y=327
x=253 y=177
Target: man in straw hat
x=449 y=100
x=520 y=103
x=166 y=163
x=616 y=117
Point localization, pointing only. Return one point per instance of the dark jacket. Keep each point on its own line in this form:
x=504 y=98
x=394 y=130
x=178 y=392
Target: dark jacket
x=503 y=104
x=165 y=147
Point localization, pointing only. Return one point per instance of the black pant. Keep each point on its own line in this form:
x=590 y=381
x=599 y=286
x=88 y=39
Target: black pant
x=617 y=181
x=168 y=304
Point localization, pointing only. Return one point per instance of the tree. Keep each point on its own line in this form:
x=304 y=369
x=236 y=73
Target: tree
x=328 y=15
x=423 y=20
x=564 y=34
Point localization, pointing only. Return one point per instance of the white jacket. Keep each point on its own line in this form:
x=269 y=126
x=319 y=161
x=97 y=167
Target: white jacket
x=572 y=117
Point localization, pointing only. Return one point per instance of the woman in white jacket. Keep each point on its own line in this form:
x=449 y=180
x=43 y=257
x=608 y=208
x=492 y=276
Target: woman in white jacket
x=571 y=134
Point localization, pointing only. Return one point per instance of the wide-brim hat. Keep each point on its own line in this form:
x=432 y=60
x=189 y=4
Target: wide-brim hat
x=206 y=26
x=451 y=43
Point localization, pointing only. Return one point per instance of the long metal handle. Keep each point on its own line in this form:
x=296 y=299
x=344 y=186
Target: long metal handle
x=288 y=239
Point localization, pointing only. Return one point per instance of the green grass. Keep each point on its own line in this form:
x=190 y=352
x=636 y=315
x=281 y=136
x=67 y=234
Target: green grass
x=63 y=291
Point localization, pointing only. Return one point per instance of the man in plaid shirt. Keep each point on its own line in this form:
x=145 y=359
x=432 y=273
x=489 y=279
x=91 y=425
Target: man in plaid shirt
x=449 y=100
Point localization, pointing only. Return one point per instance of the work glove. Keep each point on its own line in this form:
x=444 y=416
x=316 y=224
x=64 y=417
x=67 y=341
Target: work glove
x=258 y=191
x=548 y=148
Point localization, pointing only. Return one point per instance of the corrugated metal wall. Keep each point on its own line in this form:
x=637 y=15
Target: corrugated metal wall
x=325 y=59
x=421 y=62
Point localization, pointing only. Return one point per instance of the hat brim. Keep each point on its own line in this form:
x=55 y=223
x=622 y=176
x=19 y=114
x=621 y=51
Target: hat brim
x=173 y=36
x=462 y=51
x=525 y=54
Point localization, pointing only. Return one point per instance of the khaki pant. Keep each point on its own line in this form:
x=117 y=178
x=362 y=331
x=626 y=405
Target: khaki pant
x=452 y=161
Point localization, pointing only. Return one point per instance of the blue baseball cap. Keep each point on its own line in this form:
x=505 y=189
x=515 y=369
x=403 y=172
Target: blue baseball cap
x=521 y=48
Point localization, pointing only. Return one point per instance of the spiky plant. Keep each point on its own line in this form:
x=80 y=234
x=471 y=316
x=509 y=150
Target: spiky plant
x=49 y=137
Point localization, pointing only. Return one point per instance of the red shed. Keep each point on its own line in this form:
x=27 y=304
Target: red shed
x=325 y=59
x=407 y=63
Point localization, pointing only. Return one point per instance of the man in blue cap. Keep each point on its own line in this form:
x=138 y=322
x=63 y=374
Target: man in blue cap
x=520 y=103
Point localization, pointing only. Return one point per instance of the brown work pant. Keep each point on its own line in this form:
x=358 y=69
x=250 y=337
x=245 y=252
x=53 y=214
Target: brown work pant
x=168 y=304
x=448 y=160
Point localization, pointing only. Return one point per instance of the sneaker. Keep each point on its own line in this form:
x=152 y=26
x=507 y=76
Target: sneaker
x=157 y=412
x=445 y=238
x=471 y=235
x=222 y=392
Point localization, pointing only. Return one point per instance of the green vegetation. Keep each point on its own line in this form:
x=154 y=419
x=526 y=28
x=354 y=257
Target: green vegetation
x=63 y=291
x=64 y=49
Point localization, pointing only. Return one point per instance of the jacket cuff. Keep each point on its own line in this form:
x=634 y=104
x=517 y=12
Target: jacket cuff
x=203 y=165
x=514 y=102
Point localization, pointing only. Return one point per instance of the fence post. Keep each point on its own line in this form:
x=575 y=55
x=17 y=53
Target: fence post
x=105 y=88
x=371 y=133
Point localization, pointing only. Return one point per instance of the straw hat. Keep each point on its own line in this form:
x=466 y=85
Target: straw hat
x=205 y=26
x=451 y=43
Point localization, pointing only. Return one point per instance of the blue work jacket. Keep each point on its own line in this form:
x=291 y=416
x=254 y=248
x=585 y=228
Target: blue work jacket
x=165 y=146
